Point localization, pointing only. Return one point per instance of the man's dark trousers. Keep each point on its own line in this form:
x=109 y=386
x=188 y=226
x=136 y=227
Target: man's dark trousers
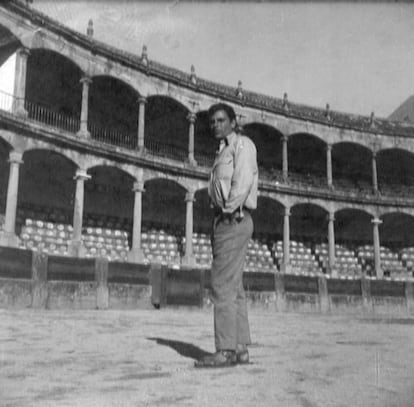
x=229 y=242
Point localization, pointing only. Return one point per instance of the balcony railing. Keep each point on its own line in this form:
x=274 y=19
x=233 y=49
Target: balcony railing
x=48 y=116
x=112 y=136
x=6 y=101
x=166 y=150
x=45 y=115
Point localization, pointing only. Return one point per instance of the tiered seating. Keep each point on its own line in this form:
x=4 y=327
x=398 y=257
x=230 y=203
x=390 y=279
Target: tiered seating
x=301 y=258
x=346 y=261
x=390 y=262
x=103 y=242
x=259 y=257
x=48 y=237
x=202 y=249
x=407 y=259
x=161 y=247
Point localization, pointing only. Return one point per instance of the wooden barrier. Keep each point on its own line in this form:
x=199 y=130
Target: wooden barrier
x=51 y=281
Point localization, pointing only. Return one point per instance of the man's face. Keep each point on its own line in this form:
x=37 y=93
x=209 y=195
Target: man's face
x=221 y=125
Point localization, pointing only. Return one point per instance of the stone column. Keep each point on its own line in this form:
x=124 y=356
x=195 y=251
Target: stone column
x=20 y=81
x=285 y=158
x=8 y=235
x=286 y=267
x=374 y=172
x=188 y=259
x=331 y=244
x=83 y=131
x=76 y=247
x=141 y=122
x=377 y=251
x=191 y=118
x=329 y=165
x=136 y=254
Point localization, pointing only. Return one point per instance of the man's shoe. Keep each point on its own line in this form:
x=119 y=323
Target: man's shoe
x=222 y=358
x=242 y=357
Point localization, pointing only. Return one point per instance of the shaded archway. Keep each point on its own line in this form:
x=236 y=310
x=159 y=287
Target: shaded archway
x=352 y=167
x=46 y=187
x=395 y=168
x=353 y=227
x=166 y=127
x=268 y=143
x=113 y=112
x=307 y=159
x=268 y=219
x=397 y=230
x=308 y=222
x=109 y=199
x=163 y=206
x=53 y=89
x=205 y=146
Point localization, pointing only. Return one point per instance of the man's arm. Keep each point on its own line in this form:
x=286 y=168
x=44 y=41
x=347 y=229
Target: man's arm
x=245 y=167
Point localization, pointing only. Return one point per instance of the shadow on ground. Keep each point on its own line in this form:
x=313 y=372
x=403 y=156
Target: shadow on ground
x=184 y=349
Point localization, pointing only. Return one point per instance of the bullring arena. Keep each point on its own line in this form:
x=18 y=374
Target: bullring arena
x=104 y=162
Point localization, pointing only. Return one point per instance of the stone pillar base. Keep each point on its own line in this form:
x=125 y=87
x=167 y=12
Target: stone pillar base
x=332 y=271
x=188 y=261
x=76 y=248
x=379 y=273
x=9 y=239
x=136 y=256
x=286 y=268
x=84 y=134
x=191 y=161
x=21 y=112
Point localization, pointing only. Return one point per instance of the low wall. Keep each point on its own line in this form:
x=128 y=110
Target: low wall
x=31 y=279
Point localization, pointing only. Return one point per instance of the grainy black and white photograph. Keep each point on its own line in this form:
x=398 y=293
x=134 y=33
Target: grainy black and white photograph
x=206 y=203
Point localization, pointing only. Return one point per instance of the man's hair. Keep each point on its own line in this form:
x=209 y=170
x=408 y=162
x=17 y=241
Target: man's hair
x=222 y=106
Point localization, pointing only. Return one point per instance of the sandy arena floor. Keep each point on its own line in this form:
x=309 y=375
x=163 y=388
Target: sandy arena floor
x=145 y=358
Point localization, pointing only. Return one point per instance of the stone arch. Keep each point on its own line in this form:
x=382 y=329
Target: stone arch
x=308 y=222
x=307 y=158
x=166 y=127
x=113 y=111
x=109 y=199
x=53 y=85
x=71 y=155
x=268 y=219
x=268 y=143
x=163 y=205
x=353 y=227
x=46 y=186
x=395 y=168
x=150 y=175
x=352 y=166
x=397 y=230
x=90 y=161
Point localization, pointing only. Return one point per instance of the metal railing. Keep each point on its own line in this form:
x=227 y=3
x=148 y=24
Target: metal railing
x=46 y=115
x=113 y=136
x=6 y=101
x=166 y=150
x=204 y=160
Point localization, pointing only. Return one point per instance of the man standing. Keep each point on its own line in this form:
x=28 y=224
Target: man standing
x=233 y=193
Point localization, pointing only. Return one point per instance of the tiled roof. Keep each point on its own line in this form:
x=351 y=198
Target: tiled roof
x=249 y=98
